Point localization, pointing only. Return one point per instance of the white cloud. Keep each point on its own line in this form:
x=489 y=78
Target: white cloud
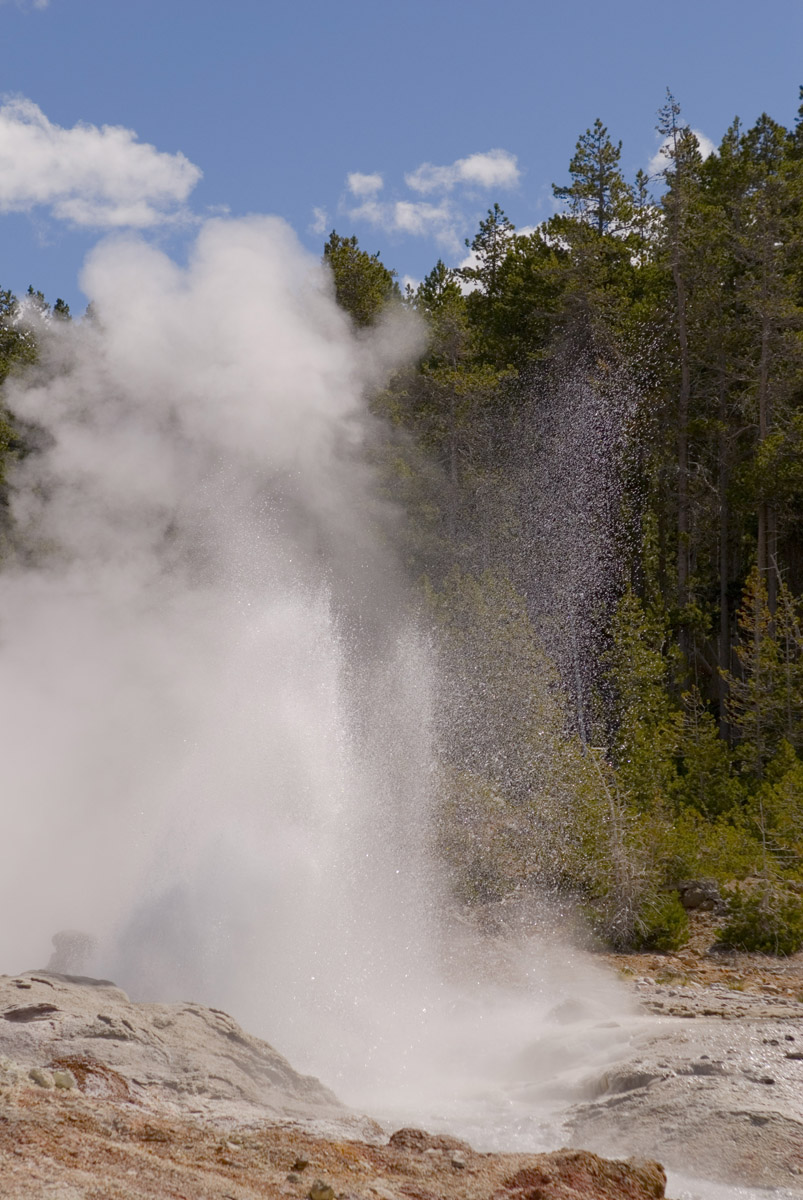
x=28 y=3
x=440 y=218
x=364 y=185
x=495 y=168
x=374 y=213
x=100 y=177
x=320 y=221
x=471 y=261
x=707 y=147
x=416 y=217
x=659 y=161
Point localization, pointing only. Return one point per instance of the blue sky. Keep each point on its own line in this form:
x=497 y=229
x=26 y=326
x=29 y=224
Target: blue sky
x=274 y=106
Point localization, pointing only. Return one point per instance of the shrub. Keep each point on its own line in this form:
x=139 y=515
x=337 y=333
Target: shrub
x=768 y=920
x=724 y=848
x=663 y=924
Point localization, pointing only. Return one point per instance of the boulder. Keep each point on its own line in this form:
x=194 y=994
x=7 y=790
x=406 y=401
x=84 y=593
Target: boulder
x=580 y=1175
x=700 y=895
x=419 y=1141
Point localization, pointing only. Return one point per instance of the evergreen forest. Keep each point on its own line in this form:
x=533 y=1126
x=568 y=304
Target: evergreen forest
x=598 y=458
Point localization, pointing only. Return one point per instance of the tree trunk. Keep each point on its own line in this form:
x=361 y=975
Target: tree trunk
x=682 y=438
x=766 y=518
x=724 y=616
x=767 y=536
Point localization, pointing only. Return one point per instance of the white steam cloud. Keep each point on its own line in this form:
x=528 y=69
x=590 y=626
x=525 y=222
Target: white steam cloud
x=215 y=720
x=215 y=705
x=87 y=176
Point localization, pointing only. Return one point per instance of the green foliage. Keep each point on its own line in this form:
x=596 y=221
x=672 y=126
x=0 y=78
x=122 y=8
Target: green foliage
x=363 y=284
x=598 y=193
x=776 y=810
x=706 y=778
x=765 y=703
x=490 y=246
x=440 y=299
x=612 y=865
x=484 y=842
x=767 y=919
x=501 y=693
x=518 y=327
x=17 y=346
x=663 y=924
x=692 y=845
x=647 y=728
x=698 y=722
x=17 y=350
x=777 y=471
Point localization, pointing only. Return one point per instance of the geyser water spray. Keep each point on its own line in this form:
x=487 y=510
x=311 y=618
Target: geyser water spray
x=216 y=700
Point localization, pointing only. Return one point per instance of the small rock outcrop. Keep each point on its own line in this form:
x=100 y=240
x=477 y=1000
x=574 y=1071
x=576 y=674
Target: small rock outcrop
x=579 y=1175
x=54 y=1027
x=73 y=952
x=419 y=1141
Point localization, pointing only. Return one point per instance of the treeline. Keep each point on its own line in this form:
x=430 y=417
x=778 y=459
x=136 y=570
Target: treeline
x=18 y=350
x=601 y=459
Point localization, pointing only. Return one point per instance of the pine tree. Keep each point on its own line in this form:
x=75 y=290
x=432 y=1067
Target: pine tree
x=769 y=251
x=598 y=193
x=363 y=284
x=682 y=171
x=765 y=703
x=597 y=246
x=490 y=246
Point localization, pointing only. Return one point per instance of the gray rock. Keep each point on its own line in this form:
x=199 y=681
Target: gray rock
x=321 y=1191
x=73 y=952
x=421 y=1142
x=701 y=895
x=713 y=1108
x=41 y=1078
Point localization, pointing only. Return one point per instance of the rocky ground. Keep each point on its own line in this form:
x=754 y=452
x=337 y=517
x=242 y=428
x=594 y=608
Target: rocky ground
x=712 y=1081
x=102 y=1099
x=700 y=965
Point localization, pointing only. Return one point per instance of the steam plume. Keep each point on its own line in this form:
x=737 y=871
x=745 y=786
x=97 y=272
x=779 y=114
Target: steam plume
x=212 y=703
x=215 y=704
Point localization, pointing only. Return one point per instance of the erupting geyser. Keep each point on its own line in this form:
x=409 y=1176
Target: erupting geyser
x=216 y=704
